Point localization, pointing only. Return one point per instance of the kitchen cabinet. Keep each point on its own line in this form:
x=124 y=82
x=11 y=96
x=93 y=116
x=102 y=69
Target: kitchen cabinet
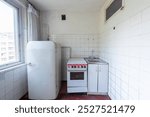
x=98 y=78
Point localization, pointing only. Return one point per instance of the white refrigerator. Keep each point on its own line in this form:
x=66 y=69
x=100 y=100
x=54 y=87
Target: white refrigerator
x=41 y=68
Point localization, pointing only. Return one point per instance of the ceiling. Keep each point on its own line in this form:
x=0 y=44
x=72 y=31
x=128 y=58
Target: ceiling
x=72 y=5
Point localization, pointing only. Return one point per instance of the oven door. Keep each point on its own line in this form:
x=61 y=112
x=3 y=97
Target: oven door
x=77 y=78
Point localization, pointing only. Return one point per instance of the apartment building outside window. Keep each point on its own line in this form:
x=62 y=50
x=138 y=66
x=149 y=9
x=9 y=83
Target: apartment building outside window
x=9 y=33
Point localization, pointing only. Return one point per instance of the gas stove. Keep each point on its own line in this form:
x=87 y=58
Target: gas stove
x=76 y=75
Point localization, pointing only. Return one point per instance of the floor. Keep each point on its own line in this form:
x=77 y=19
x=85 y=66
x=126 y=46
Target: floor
x=63 y=95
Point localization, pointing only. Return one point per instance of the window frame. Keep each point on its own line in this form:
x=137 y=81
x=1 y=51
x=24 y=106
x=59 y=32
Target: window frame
x=19 y=41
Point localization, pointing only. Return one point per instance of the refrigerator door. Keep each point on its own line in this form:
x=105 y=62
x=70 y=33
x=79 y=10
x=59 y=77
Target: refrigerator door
x=41 y=70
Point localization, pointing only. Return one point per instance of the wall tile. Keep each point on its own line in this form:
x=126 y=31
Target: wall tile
x=81 y=44
x=127 y=51
x=145 y=16
x=9 y=82
x=13 y=83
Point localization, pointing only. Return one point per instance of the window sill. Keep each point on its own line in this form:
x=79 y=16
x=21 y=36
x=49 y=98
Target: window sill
x=12 y=67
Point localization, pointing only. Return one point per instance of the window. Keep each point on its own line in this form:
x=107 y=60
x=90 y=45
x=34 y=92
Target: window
x=9 y=33
x=113 y=8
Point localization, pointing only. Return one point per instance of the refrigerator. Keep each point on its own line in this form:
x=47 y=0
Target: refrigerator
x=43 y=81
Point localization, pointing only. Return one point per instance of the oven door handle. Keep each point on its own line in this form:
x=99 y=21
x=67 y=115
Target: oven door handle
x=76 y=70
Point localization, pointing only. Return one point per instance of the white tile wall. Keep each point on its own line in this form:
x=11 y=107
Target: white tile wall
x=127 y=50
x=81 y=44
x=13 y=83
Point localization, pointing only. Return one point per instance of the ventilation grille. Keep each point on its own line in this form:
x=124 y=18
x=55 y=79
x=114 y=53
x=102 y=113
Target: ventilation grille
x=113 y=8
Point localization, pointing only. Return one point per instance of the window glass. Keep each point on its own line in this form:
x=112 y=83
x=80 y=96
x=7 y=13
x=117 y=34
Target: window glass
x=76 y=75
x=9 y=36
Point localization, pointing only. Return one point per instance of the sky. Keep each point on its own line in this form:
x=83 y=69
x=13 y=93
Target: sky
x=6 y=18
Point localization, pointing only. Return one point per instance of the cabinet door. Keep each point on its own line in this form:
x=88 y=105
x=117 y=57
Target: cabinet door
x=103 y=79
x=92 y=77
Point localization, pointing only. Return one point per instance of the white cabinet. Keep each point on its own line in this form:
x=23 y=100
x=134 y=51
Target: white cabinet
x=103 y=79
x=98 y=79
x=92 y=78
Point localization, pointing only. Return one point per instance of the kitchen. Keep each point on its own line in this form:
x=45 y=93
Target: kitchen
x=82 y=28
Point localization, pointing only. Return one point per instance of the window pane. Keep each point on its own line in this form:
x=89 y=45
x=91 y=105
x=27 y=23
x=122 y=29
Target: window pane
x=8 y=34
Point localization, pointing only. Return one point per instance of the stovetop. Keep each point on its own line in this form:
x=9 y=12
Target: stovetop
x=76 y=61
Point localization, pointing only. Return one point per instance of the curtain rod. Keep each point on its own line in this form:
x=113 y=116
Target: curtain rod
x=32 y=5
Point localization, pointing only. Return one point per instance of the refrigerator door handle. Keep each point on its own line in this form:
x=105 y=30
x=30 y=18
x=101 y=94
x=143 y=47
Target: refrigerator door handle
x=29 y=64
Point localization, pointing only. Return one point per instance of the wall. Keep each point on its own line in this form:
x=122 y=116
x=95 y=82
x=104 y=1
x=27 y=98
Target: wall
x=79 y=31
x=127 y=49
x=75 y=23
x=13 y=83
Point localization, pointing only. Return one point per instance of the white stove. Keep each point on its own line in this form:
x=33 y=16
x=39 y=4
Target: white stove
x=76 y=75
